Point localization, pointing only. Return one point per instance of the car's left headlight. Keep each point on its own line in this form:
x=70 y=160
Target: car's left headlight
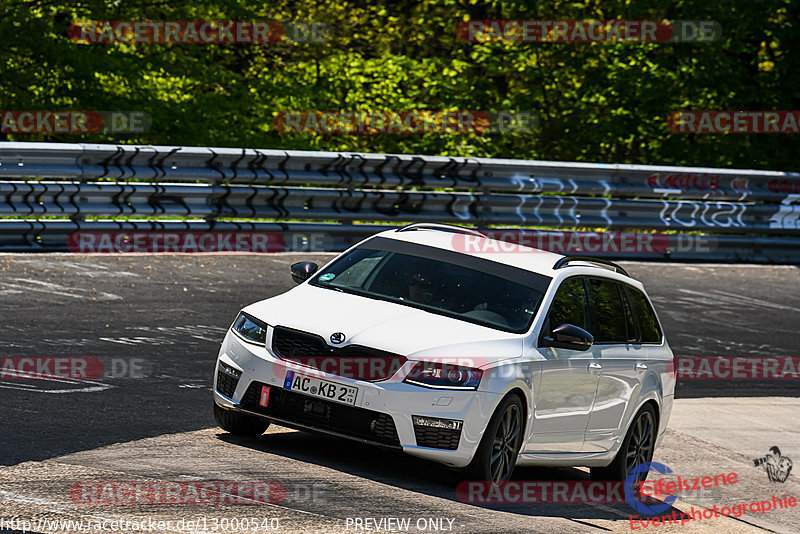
x=250 y=328
x=444 y=376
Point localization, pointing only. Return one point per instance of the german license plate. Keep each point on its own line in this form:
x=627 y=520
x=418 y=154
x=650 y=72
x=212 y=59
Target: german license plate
x=317 y=387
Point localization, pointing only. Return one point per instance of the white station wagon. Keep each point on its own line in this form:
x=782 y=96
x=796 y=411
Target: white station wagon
x=481 y=357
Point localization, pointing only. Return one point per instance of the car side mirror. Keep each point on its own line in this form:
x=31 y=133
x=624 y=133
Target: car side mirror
x=569 y=336
x=303 y=271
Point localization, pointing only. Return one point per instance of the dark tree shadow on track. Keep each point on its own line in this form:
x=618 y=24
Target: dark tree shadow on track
x=406 y=472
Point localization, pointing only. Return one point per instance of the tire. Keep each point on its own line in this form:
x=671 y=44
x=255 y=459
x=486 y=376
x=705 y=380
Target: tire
x=501 y=441
x=640 y=441
x=239 y=423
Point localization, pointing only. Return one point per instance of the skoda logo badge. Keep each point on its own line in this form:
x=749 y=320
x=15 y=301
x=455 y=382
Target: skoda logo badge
x=337 y=337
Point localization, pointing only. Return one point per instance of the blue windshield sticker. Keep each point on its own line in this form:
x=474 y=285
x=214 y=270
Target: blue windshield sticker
x=327 y=276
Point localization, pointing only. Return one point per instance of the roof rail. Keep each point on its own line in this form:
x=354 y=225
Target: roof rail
x=442 y=227
x=598 y=262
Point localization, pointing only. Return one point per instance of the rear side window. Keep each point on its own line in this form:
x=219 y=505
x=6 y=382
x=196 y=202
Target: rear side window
x=569 y=305
x=610 y=319
x=644 y=316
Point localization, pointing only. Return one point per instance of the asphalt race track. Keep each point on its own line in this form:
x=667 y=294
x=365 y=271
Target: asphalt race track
x=156 y=321
x=165 y=315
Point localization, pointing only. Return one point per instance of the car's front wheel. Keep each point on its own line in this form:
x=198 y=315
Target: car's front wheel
x=637 y=448
x=239 y=423
x=496 y=456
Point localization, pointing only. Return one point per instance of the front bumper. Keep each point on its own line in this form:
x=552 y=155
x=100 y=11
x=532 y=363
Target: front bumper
x=382 y=414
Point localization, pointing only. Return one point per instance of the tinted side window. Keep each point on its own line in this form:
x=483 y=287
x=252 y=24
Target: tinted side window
x=633 y=334
x=644 y=315
x=569 y=305
x=608 y=323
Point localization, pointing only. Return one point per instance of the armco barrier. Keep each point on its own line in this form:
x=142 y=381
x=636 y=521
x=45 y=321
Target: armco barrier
x=48 y=190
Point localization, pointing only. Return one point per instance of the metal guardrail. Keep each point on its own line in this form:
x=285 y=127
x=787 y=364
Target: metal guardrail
x=736 y=209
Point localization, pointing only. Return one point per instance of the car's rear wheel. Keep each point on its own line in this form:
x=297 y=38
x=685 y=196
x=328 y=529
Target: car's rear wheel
x=637 y=448
x=496 y=456
x=239 y=423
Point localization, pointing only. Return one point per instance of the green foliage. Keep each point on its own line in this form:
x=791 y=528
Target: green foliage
x=604 y=102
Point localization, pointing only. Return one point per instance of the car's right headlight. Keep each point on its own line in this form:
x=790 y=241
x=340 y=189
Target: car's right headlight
x=250 y=328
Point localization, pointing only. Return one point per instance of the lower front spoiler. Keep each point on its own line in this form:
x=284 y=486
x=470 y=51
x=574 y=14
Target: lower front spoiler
x=302 y=426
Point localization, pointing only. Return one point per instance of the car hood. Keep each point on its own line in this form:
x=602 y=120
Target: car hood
x=385 y=325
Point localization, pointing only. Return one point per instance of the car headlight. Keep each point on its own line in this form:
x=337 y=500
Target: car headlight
x=444 y=376
x=250 y=328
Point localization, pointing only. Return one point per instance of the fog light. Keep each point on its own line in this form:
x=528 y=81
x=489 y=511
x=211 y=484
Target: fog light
x=230 y=371
x=435 y=422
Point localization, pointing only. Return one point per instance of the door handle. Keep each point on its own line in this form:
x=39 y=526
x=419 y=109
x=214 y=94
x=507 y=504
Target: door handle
x=641 y=367
x=594 y=367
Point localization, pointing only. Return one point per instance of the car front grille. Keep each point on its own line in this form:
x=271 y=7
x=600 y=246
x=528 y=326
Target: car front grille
x=322 y=414
x=226 y=384
x=351 y=361
x=437 y=438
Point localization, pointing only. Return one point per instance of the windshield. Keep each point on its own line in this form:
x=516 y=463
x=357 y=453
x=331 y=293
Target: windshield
x=439 y=281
